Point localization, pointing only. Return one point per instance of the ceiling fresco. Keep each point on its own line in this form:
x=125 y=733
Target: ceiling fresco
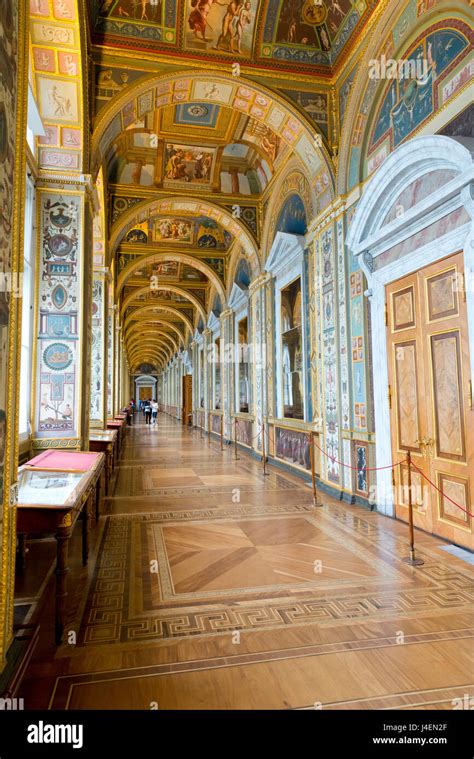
x=268 y=33
x=190 y=158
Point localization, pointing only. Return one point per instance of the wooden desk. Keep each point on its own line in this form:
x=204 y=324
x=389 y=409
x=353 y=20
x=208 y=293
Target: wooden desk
x=50 y=500
x=105 y=441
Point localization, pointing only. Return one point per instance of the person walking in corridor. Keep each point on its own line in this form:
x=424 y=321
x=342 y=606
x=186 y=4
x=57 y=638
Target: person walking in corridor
x=147 y=410
x=154 y=411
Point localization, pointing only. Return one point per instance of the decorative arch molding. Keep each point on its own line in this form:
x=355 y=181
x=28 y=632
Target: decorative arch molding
x=436 y=174
x=149 y=350
x=165 y=336
x=157 y=353
x=368 y=91
x=149 y=340
x=239 y=93
x=153 y=337
x=184 y=258
x=183 y=206
x=171 y=288
x=157 y=310
x=146 y=333
x=138 y=340
x=139 y=356
x=156 y=343
x=294 y=182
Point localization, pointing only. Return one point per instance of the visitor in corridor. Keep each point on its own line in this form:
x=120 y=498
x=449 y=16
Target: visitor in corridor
x=154 y=411
x=147 y=411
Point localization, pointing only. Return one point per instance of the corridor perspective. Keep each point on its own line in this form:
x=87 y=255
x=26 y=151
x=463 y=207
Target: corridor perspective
x=257 y=599
x=236 y=374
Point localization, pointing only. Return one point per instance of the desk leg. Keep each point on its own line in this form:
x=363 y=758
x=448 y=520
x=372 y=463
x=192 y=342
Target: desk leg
x=62 y=540
x=85 y=530
x=100 y=486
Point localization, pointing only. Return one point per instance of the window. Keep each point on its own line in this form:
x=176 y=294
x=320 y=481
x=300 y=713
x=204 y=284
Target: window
x=28 y=289
x=243 y=365
x=292 y=351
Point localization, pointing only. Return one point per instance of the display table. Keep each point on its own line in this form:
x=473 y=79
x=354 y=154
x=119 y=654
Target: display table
x=55 y=488
x=118 y=425
x=105 y=441
x=74 y=461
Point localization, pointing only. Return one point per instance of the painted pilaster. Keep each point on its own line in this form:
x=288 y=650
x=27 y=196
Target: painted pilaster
x=110 y=354
x=98 y=397
x=117 y=360
x=344 y=378
x=330 y=469
x=63 y=311
x=261 y=339
x=207 y=338
x=228 y=370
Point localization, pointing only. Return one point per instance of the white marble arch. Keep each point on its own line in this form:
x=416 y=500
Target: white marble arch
x=369 y=238
x=286 y=263
x=145 y=380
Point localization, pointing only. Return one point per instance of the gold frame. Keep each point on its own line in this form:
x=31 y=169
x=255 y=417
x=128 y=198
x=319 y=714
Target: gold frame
x=10 y=484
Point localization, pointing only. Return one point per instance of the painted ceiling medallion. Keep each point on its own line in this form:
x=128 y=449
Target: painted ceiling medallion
x=198 y=110
x=314 y=12
x=59 y=296
x=60 y=245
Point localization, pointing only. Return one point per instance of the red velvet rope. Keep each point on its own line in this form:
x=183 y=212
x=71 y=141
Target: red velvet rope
x=440 y=491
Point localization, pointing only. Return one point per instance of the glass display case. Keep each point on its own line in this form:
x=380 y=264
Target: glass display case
x=292 y=350
x=49 y=488
x=244 y=374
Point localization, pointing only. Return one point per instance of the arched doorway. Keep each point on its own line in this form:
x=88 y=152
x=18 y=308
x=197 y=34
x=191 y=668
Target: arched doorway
x=412 y=235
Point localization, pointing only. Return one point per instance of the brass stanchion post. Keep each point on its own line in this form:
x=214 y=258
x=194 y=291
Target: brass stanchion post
x=316 y=501
x=209 y=428
x=235 y=439
x=200 y=424
x=222 y=433
x=264 y=455
x=411 y=559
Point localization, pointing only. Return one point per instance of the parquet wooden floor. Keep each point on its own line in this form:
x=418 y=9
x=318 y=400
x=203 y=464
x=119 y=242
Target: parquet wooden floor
x=212 y=586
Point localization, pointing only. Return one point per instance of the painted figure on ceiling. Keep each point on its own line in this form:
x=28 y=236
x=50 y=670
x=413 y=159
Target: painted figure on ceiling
x=197 y=19
x=242 y=19
x=228 y=23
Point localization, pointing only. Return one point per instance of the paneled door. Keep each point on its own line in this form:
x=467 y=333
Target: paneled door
x=430 y=398
x=187 y=399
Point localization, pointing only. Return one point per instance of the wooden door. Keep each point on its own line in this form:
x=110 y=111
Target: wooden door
x=187 y=396
x=431 y=398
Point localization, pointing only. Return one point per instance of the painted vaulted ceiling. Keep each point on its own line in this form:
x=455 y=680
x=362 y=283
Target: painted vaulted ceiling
x=181 y=154
x=273 y=34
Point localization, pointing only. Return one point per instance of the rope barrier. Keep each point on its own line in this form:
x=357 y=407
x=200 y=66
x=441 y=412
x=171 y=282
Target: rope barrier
x=356 y=468
x=440 y=491
x=392 y=466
